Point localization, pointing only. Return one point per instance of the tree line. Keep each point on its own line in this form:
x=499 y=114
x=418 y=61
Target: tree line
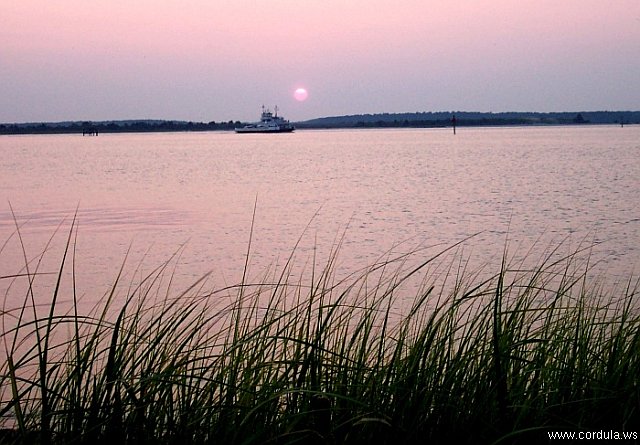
x=380 y=120
x=134 y=126
x=466 y=118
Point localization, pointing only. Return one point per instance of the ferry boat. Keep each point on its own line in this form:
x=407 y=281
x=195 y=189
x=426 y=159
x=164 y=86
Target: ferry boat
x=269 y=123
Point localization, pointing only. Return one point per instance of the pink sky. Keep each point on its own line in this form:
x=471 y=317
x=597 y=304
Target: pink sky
x=208 y=60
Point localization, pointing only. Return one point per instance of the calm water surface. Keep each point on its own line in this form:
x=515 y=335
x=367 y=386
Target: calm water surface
x=150 y=194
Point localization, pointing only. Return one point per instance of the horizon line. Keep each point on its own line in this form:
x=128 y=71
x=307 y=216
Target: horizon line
x=38 y=122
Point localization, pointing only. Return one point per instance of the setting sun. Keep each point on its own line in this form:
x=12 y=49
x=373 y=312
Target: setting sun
x=301 y=94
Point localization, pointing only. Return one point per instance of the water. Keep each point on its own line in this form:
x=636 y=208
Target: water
x=150 y=194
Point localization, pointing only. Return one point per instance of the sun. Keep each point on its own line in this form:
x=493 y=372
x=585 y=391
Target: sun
x=301 y=94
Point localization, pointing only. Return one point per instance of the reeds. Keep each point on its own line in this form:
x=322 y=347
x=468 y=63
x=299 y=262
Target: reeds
x=499 y=358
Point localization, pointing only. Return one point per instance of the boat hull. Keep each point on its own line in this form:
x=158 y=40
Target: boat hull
x=264 y=130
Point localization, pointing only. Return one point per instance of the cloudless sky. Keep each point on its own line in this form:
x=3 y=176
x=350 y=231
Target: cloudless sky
x=205 y=60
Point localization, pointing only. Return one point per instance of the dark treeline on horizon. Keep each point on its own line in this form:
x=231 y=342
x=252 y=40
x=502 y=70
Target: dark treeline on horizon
x=466 y=118
x=128 y=126
x=382 y=120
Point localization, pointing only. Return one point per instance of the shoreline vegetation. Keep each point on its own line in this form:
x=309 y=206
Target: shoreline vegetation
x=382 y=120
x=324 y=360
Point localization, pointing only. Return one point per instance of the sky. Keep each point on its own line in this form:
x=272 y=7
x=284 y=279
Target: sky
x=215 y=60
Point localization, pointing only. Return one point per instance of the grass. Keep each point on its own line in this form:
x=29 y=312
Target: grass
x=485 y=358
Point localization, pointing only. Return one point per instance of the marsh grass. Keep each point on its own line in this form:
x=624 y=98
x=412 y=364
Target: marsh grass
x=486 y=358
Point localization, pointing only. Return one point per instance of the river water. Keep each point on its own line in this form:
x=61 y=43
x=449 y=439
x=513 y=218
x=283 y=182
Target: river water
x=370 y=191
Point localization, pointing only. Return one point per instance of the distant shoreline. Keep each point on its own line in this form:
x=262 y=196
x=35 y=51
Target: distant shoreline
x=381 y=120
